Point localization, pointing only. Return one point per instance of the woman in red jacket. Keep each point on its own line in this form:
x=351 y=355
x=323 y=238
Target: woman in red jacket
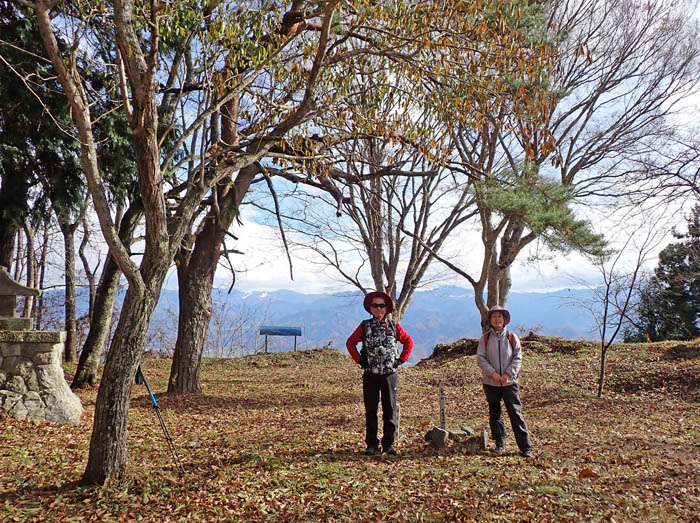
x=379 y=358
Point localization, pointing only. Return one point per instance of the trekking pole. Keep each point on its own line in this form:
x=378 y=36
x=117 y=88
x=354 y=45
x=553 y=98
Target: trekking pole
x=141 y=379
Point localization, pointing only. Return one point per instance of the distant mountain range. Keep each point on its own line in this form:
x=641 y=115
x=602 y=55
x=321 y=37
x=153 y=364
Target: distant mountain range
x=434 y=316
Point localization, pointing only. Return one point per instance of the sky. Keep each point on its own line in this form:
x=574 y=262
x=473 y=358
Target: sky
x=264 y=267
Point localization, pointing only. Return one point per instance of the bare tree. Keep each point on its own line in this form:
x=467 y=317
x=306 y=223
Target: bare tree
x=42 y=260
x=611 y=301
x=68 y=228
x=101 y=324
x=233 y=329
x=634 y=243
x=397 y=210
x=90 y=273
x=32 y=269
x=667 y=171
x=621 y=68
x=392 y=204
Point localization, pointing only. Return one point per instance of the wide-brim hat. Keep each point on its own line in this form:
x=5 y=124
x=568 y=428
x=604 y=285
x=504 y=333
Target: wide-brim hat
x=379 y=294
x=502 y=310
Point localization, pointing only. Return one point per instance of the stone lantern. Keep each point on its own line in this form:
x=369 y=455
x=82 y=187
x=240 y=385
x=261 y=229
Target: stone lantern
x=32 y=383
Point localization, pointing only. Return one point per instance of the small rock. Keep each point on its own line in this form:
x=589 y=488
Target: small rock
x=439 y=437
x=469 y=430
x=458 y=435
x=472 y=445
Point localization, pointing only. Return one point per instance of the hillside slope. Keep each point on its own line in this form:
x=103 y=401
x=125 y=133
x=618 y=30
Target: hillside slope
x=280 y=436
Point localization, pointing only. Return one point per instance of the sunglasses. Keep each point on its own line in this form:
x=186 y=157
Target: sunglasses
x=379 y=305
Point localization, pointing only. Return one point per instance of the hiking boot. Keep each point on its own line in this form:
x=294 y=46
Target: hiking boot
x=499 y=448
x=526 y=453
x=371 y=451
x=390 y=451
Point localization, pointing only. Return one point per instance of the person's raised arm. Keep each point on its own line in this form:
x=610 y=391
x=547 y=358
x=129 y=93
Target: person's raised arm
x=351 y=344
x=406 y=342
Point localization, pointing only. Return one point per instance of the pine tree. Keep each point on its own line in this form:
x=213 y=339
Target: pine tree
x=668 y=307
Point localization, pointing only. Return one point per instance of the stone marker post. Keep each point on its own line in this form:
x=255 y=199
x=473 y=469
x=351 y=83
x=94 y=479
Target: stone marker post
x=470 y=442
x=443 y=415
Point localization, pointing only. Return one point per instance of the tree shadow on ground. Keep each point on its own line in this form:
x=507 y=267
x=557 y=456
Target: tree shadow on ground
x=679 y=383
x=76 y=490
x=187 y=402
x=682 y=352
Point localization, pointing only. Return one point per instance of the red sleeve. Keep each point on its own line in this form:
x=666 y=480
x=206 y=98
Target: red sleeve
x=406 y=341
x=353 y=340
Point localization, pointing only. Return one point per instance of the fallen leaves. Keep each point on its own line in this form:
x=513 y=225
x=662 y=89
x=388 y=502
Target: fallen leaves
x=587 y=474
x=283 y=439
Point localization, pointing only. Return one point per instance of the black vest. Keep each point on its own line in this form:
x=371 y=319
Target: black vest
x=380 y=345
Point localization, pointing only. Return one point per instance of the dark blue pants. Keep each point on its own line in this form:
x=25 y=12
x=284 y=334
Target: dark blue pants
x=374 y=386
x=510 y=395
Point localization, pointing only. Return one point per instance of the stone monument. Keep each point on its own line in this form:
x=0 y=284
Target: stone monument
x=471 y=441
x=32 y=384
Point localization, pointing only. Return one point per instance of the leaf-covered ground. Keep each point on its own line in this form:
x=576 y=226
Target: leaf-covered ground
x=280 y=437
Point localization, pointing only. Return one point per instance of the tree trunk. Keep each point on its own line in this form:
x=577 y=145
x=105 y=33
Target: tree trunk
x=504 y=285
x=101 y=319
x=107 y=458
x=86 y=374
x=8 y=232
x=31 y=270
x=89 y=273
x=39 y=309
x=492 y=286
x=68 y=230
x=196 y=280
x=601 y=378
x=195 y=285
x=13 y=196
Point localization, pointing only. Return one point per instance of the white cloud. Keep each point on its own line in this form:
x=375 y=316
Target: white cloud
x=264 y=265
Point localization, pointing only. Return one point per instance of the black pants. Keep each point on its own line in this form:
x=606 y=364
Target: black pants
x=374 y=386
x=511 y=397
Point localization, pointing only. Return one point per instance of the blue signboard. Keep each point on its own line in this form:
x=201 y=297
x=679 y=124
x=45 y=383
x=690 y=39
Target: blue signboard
x=276 y=330
x=279 y=331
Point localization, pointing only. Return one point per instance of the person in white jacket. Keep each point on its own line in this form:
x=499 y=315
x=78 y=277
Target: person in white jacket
x=499 y=356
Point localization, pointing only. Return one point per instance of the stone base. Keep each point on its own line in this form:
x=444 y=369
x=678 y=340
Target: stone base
x=32 y=384
x=470 y=441
x=15 y=324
